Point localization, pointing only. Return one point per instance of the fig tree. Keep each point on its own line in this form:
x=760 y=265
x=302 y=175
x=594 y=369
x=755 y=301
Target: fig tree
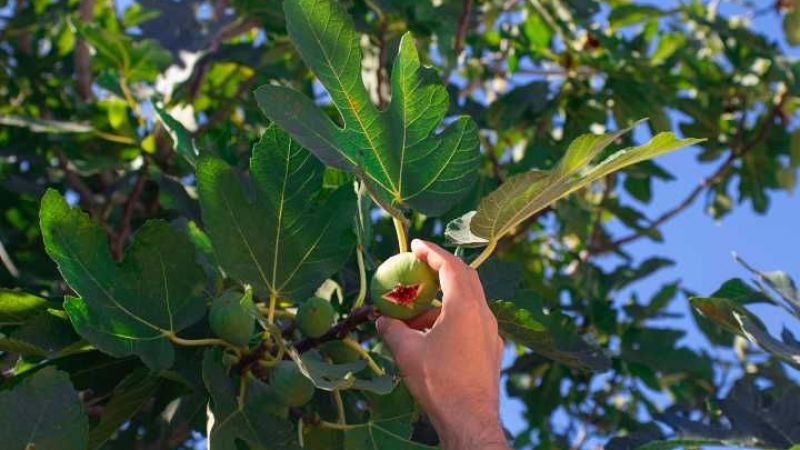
x=315 y=317
x=232 y=316
x=404 y=286
x=292 y=388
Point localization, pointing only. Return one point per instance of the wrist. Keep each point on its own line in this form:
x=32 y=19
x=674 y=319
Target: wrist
x=486 y=434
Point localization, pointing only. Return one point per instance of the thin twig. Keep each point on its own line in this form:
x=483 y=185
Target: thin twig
x=82 y=56
x=201 y=69
x=5 y=258
x=463 y=25
x=75 y=182
x=762 y=132
x=249 y=361
x=118 y=240
x=341 y=329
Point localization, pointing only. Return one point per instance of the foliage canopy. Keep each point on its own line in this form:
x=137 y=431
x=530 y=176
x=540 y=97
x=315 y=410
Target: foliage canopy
x=158 y=158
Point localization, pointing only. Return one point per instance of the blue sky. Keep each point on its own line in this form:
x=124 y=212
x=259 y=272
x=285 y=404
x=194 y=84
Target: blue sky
x=702 y=247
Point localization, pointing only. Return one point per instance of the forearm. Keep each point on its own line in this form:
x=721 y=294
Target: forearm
x=469 y=435
x=467 y=442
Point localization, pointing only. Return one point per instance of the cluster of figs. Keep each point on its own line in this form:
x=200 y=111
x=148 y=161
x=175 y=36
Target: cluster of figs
x=402 y=287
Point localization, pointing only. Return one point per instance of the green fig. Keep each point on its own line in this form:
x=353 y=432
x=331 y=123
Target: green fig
x=291 y=387
x=232 y=316
x=404 y=286
x=315 y=317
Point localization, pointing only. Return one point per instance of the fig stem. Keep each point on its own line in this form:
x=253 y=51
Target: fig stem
x=354 y=345
x=202 y=342
x=485 y=254
x=400 y=229
x=337 y=398
x=273 y=300
x=362 y=278
x=242 y=389
x=335 y=426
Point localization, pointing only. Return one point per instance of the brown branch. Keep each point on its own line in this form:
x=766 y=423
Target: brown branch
x=249 y=362
x=762 y=132
x=82 y=56
x=75 y=182
x=463 y=24
x=201 y=69
x=341 y=329
x=119 y=238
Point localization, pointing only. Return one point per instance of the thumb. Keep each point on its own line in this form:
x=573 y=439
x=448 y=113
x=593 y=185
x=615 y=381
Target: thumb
x=400 y=339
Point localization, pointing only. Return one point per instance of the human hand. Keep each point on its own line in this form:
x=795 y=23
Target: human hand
x=452 y=369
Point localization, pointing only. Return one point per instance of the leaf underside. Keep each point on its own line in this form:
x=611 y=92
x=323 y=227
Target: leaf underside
x=521 y=196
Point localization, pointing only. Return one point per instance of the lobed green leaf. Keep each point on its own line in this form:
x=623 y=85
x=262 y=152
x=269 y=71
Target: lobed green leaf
x=270 y=235
x=128 y=307
x=379 y=146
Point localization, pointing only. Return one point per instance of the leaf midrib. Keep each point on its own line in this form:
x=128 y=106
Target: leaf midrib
x=393 y=189
x=97 y=283
x=246 y=242
x=281 y=202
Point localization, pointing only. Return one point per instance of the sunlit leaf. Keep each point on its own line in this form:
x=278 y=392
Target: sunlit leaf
x=523 y=195
x=393 y=150
x=270 y=234
x=18 y=306
x=182 y=140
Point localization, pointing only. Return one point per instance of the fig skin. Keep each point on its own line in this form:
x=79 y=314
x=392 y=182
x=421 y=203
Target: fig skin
x=315 y=317
x=404 y=271
x=232 y=317
x=291 y=387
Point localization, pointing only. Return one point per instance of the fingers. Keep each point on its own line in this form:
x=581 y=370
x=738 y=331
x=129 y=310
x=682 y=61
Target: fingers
x=425 y=320
x=401 y=340
x=436 y=257
x=458 y=281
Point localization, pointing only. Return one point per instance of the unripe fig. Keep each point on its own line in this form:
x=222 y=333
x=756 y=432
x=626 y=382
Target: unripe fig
x=315 y=317
x=291 y=387
x=339 y=352
x=404 y=286
x=232 y=316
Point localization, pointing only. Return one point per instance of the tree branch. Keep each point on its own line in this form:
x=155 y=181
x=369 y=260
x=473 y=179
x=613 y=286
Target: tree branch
x=461 y=30
x=75 y=182
x=118 y=239
x=249 y=362
x=762 y=132
x=83 y=56
x=341 y=329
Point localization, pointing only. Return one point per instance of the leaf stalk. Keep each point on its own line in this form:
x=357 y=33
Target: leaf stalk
x=373 y=366
x=402 y=239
